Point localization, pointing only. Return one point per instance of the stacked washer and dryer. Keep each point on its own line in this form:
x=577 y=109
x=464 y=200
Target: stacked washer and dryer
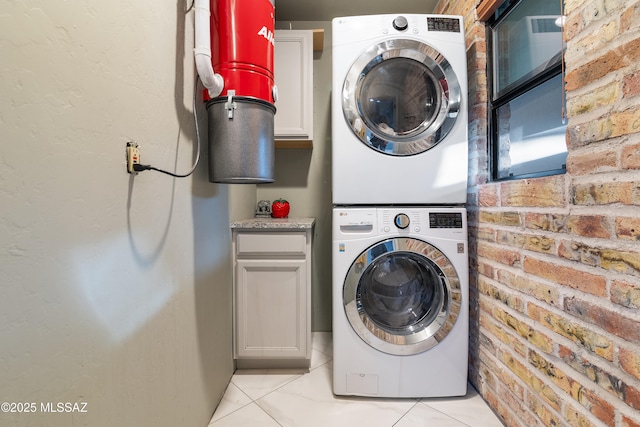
x=399 y=184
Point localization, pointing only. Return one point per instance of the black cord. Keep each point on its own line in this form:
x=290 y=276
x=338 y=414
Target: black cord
x=140 y=168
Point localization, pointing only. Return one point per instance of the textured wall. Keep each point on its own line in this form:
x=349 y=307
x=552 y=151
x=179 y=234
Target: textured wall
x=555 y=274
x=114 y=290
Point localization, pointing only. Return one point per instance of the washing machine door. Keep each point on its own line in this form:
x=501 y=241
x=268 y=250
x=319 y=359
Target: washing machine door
x=402 y=296
x=401 y=97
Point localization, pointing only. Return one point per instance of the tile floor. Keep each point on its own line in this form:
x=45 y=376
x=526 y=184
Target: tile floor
x=289 y=399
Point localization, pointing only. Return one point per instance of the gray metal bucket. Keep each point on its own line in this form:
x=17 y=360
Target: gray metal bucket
x=241 y=140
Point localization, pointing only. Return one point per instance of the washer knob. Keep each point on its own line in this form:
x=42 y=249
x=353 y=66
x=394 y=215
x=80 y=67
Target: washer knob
x=400 y=23
x=401 y=221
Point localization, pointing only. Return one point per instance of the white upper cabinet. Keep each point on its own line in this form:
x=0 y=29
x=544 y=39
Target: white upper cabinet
x=293 y=69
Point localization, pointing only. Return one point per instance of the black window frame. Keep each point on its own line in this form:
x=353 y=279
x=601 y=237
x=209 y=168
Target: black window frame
x=511 y=92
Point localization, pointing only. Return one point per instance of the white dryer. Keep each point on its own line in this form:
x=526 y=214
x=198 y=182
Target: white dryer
x=399 y=110
x=400 y=302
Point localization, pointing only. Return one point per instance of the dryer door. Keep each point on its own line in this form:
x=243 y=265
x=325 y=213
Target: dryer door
x=402 y=296
x=401 y=97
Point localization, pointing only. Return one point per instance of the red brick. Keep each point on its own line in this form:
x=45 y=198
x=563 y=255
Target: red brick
x=524 y=284
x=632 y=397
x=590 y=162
x=623 y=56
x=575 y=418
x=630 y=361
x=534 y=383
x=500 y=218
x=498 y=254
x=487 y=233
x=488 y=195
x=577 y=251
x=625 y=294
x=614 y=322
x=573 y=26
x=631 y=85
x=567 y=276
x=505 y=339
x=589 y=226
x=546 y=222
x=479 y=111
x=510 y=299
x=539 y=192
x=619 y=260
x=630 y=18
x=628 y=422
x=599 y=407
x=568 y=328
x=549 y=418
x=625 y=122
x=608 y=259
x=599 y=375
x=504 y=376
x=504 y=412
x=630 y=157
x=485 y=269
x=605 y=193
x=585 y=134
x=599 y=97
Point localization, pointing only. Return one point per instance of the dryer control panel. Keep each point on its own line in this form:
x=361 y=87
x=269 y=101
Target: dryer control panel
x=450 y=25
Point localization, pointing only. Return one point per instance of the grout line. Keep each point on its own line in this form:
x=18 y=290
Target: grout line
x=406 y=413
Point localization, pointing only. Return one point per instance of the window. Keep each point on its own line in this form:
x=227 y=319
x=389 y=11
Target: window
x=527 y=100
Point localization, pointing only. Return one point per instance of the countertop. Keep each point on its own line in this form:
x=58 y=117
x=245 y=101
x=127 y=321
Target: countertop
x=274 y=223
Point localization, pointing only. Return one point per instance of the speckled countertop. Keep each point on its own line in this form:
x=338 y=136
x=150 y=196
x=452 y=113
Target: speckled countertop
x=275 y=223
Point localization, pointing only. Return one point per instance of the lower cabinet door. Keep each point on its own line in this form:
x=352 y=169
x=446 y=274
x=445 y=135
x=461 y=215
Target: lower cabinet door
x=271 y=308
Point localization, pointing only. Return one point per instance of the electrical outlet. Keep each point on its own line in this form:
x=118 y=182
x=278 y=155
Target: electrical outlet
x=133 y=155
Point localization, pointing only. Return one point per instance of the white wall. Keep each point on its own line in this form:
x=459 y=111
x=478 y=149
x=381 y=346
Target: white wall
x=303 y=177
x=115 y=289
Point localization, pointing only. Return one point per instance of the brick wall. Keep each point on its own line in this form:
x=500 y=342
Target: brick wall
x=555 y=279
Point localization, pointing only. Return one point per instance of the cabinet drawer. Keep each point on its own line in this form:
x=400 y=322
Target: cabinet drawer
x=266 y=243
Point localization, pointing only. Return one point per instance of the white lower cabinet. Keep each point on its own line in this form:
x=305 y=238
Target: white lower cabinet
x=272 y=297
x=271 y=315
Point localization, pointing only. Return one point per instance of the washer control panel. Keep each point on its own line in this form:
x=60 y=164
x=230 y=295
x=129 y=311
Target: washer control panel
x=445 y=220
x=411 y=220
x=402 y=221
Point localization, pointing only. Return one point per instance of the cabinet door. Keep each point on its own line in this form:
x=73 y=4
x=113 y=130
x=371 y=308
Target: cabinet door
x=271 y=308
x=293 y=73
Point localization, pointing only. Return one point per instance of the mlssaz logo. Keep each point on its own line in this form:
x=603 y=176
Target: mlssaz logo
x=267 y=34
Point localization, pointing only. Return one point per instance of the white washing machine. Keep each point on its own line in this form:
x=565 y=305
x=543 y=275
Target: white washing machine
x=399 y=110
x=400 y=302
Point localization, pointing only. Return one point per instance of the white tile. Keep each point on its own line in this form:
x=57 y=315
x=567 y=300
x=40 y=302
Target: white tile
x=469 y=409
x=232 y=400
x=323 y=341
x=249 y=416
x=422 y=415
x=256 y=384
x=288 y=398
x=318 y=359
x=309 y=401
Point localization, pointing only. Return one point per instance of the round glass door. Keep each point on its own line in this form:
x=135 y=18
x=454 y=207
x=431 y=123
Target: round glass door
x=402 y=296
x=401 y=97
